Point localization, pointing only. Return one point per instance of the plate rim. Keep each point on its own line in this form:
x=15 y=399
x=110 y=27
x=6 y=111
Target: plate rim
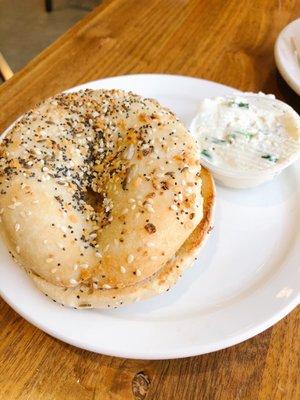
x=206 y=349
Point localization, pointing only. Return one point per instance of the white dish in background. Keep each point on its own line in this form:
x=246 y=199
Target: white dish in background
x=287 y=61
x=245 y=280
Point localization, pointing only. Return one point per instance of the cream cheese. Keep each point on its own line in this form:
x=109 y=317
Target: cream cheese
x=246 y=134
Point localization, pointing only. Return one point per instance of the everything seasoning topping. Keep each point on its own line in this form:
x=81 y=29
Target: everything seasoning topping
x=93 y=149
x=150 y=228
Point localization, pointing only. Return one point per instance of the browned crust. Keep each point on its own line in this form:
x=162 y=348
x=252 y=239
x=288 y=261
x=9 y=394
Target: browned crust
x=196 y=239
x=158 y=283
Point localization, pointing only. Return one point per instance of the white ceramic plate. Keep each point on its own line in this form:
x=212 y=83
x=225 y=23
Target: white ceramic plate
x=246 y=278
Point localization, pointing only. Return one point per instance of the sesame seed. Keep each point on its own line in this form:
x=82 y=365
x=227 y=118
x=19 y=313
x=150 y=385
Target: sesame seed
x=106 y=286
x=17 y=227
x=73 y=281
x=130 y=258
x=149 y=208
x=150 y=244
x=49 y=260
x=18 y=249
x=174 y=207
x=138 y=272
x=152 y=258
x=123 y=269
x=53 y=270
x=129 y=153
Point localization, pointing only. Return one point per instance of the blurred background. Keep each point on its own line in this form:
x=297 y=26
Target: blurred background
x=26 y=27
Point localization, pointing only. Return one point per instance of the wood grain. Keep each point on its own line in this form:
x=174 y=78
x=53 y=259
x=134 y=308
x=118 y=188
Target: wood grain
x=227 y=41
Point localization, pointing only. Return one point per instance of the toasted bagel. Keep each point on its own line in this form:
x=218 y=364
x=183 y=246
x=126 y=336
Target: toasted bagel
x=99 y=190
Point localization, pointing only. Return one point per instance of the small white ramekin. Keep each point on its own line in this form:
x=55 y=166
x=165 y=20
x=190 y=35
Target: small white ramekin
x=246 y=179
x=238 y=179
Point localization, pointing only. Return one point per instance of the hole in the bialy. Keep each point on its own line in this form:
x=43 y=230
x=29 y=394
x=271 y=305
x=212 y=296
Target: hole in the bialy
x=94 y=199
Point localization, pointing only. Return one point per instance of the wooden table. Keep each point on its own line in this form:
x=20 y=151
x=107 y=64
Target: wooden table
x=226 y=41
